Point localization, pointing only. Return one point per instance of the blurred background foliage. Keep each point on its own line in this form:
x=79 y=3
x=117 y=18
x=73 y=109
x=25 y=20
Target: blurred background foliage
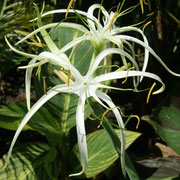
x=163 y=34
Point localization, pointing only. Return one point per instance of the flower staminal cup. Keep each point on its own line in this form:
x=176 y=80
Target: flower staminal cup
x=85 y=87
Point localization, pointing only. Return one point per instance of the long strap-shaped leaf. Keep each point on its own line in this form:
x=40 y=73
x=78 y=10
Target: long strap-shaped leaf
x=117 y=144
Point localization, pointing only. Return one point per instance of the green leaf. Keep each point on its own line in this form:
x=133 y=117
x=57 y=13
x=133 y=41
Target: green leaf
x=117 y=144
x=98 y=110
x=101 y=151
x=27 y=162
x=42 y=121
x=169 y=178
x=160 y=168
x=81 y=54
x=165 y=120
x=63 y=106
x=11 y=116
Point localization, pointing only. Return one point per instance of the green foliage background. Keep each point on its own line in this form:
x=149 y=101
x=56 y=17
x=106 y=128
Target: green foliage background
x=163 y=35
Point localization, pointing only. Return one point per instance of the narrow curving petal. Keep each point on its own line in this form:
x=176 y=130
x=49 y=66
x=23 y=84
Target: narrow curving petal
x=57 y=11
x=28 y=78
x=81 y=133
x=28 y=82
x=55 y=90
x=106 y=52
x=131 y=48
x=108 y=100
x=150 y=50
x=17 y=51
x=119 y=44
x=123 y=74
x=92 y=20
x=99 y=101
x=54 y=59
x=130 y=28
x=73 y=43
x=131 y=58
x=34 y=65
x=54 y=25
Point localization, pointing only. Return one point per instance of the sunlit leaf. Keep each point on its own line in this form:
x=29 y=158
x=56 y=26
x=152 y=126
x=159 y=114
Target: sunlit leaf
x=42 y=121
x=101 y=151
x=27 y=162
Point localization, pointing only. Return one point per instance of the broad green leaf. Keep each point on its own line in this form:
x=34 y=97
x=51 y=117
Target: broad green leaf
x=130 y=168
x=63 y=106
x=169 y=178
x=117 y=144
x=12 y=123
x=159 y=168
x=27 y=162
x=101 y=151
x=165 y=120
x=42 y=121
x=113 y=136
x=11 y=116
x=14 y=110
x=81 y=54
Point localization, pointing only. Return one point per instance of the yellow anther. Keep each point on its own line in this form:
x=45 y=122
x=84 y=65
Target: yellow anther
x=69 y=76
x=127 y=74
x=150 y=91
x=44 y=84
x=145 y=26
x=69 y=6
x=36 y=44
x=38 y=70
x=146 y=3
x=150 y=14
x=102 y=118
x=113 y=18
x=142 y=7
x=137 y=117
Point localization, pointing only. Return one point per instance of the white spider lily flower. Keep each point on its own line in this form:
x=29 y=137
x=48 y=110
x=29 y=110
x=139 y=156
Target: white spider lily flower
x=101 y=32
x=85 y=87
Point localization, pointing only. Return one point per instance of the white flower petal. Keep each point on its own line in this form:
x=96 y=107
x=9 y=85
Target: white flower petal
x=92 y=20
x=106 y=52
x=130 y=28
x=61 y=11
x=33 y=65
x=19 y=52
x=81 y=133
x=34 y=108
x=54 y=59
x=73 y=43
x=123 y=74
x=28 y=78
x=149 y=49
x=28 y=82
x=108 y=100
x=132 y=59
x=54 y=25
x=99 y=101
